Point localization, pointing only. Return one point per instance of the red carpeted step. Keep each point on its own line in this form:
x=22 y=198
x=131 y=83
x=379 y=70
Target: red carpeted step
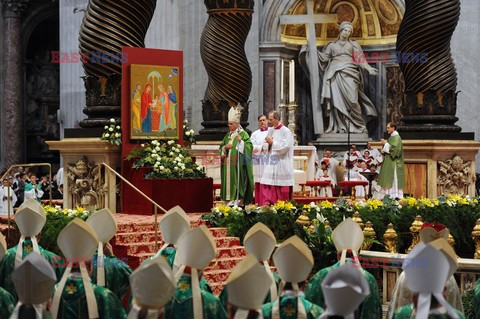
x=135 y=237
x=231 y=252
x=223 y=264
x=217 y=288
x=224 y=242
x=219 y=232
x=136 y=227
x=136 y=248
x=213 y=276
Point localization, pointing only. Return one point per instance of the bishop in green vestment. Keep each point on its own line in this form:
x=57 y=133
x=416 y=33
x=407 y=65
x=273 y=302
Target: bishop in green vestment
x=476 y=300
x=7 y=265
x=224 y=294
x=371 y=307
x=348 y=238
x=236 y=152
x=405 y=312
x=7 y=303
x=392 y=172
x=117 y=274
x=73 y=303
x=169 y=253
x=182 y=304
x=289 y=306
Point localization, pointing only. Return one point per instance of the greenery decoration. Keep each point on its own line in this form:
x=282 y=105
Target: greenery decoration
x=166 y=160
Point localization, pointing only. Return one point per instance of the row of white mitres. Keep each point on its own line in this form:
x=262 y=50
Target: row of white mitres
x=154 y=282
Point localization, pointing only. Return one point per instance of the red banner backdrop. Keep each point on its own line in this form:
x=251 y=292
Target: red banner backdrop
x=132 y=202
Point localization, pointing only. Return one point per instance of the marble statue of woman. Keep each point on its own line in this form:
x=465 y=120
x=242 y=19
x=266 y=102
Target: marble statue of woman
x=342 y=62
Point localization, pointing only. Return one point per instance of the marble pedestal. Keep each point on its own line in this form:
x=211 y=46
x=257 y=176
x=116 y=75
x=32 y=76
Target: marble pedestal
x=429 y=170
x=97 y=152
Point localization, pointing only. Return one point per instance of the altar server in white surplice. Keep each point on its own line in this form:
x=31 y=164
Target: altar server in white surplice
x=5 y=192
x=277 y=179
x=260 y=153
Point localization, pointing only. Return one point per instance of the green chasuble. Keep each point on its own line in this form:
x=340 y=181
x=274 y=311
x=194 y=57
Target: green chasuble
x=73 y=303
x=181 y=306
x=371 y=307
x=117 y=275
x=7 y=265
x=288 y=308
x=406 y=311
x=229 y=172
x=6 y=303
x=392 y=160
x=476 y=300
x=169 y=253
x=224 y=294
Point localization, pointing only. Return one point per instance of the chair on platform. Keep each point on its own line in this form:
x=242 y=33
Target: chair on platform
x=316 y=185
x=351 y=184
x=215 y=188
x=300 y=179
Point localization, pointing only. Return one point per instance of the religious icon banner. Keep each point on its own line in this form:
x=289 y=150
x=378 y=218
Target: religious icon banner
x=154 y=111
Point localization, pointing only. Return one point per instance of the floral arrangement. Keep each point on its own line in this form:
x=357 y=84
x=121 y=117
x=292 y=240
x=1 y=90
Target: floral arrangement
x=112 y=133
x=57 y=219
x=188 y=133
x=458 y=213
x=167 y=160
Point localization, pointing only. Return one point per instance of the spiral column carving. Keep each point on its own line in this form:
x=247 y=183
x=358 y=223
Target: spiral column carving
x=430 y=98
x=108 y=26
x=223 y=54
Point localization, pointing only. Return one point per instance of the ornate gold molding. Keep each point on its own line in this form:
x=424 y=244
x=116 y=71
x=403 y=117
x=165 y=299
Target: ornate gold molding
x=374 y=21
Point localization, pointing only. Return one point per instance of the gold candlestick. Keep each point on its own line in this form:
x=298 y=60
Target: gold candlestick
x=303 y=219
x=415 y=230
x=476 y=239
x=390 y=238
x=368 y=233
x=356 y=218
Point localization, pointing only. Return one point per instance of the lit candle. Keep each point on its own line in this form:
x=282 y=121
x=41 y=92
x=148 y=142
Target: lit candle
x=282 y=80
x=291 y=84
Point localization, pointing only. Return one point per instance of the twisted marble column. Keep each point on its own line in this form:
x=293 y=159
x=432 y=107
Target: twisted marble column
x=13 y=92
x=108 y=26
x=222 y=48
x=430 y=99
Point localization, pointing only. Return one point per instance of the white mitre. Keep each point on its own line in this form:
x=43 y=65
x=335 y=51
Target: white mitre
x=235 y=113
x=104 y=224
x=247 y=287
x=427 y=270
x=152 y=286
x=344 y=289
x=347 y=236
x=78 y=242
x=34 y=281
x=30 y=219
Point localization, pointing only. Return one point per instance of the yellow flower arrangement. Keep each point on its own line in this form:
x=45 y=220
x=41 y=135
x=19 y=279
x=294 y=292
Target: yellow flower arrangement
x=374 y=203
x=410 y=201
x=289 y=206
x=326 y=204
x=279 y=205
x=425 y=202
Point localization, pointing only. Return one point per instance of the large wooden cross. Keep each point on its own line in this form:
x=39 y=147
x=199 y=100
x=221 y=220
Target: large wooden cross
x=310 y=19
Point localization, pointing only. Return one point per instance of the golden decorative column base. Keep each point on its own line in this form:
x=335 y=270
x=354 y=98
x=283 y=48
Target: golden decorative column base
x=390 y=238
x=369 y=233
x=415 y=230
x=476 y=239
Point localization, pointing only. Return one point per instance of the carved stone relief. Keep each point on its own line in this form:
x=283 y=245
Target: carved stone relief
x=454 y=176
x=85 y=184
